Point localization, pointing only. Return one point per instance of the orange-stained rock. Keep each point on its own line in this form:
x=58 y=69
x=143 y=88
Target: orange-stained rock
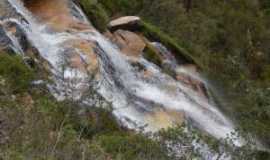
x=55 y=13
x=129 y=43
x=86 y=60
x=164 y=119
x=147 y=74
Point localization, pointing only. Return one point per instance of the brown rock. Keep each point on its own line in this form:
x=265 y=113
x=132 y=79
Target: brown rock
x=55 y=13
x=165 y=119
x=127 y=23
x=129 y=43
x=86 y=60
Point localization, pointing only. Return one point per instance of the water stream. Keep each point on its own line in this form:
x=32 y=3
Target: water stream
x=135 y=99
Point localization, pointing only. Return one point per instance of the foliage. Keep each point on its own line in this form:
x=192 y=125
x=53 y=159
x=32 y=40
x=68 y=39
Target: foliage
x=33 y=125
x=14 y=74
x=131 y=147
x=96 y=13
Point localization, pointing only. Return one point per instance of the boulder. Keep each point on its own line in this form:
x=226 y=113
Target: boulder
x=129 y=43
x=127 y=23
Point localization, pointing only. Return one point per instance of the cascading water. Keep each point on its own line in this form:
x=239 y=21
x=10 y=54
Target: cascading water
x=134 y=98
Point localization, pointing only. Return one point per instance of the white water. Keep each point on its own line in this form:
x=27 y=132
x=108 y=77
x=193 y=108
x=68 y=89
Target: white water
x=132 y=96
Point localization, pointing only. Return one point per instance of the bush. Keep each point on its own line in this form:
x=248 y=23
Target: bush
x=131 y=147
x=15 y=73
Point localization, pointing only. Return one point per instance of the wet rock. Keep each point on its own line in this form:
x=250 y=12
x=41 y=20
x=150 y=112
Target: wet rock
x=13 y=29
x=188 y=75
x=4 y=40
x=129 y=43
x=86 y=59
x=127 y=23
x=5 y=9
x=152 y=54
x=56 y=14
x=168 y=59
x=164 y=119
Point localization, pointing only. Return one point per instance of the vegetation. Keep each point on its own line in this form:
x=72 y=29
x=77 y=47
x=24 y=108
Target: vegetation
x=228 y=39
x=96 y=13
x=17 y=76
x=33 y=125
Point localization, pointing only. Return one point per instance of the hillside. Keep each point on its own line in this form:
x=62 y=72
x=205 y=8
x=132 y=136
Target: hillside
x=134 y=79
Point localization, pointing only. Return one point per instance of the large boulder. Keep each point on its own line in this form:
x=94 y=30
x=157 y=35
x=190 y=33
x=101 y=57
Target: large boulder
x=129 y=42
x=127 y=23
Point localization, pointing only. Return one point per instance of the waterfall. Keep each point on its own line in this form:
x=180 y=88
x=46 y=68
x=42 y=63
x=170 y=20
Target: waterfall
x=134 y=98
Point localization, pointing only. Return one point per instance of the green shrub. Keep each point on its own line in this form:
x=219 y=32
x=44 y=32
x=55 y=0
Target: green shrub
x=16 y=74
x=96 y=14
x=131 y=147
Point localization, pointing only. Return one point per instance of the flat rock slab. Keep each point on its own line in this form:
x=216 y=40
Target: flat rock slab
x=127 y=23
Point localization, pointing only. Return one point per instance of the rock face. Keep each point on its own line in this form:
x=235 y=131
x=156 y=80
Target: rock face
x=85 y=59
x=165 y=119
x=127 y=23
x=129 y=43
x=188 y=75
x=4 y=40
x=55 y=14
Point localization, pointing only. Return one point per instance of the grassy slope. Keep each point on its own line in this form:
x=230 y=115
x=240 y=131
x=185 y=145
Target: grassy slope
x=33 y=125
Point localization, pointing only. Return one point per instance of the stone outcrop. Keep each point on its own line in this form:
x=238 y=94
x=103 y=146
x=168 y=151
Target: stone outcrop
x=56 y=14
x=127 y=23
x=129 y=43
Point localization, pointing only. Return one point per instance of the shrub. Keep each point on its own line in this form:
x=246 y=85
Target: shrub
x=131 y=147
x=16 y=74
